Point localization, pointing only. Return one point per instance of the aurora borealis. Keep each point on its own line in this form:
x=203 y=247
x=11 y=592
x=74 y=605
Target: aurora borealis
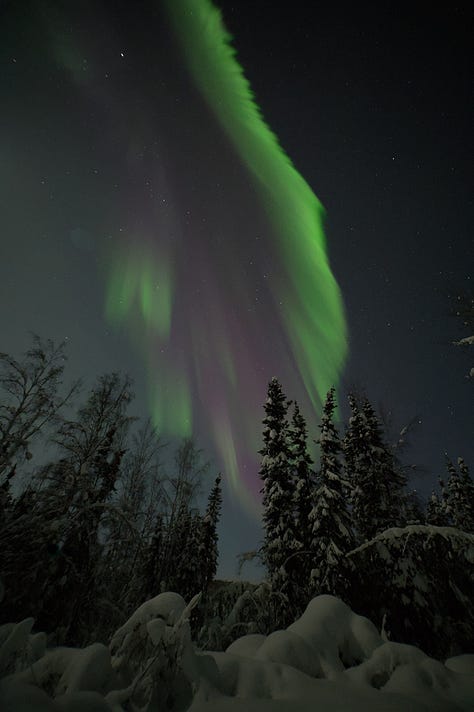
x=149 y=216
x=202 y=336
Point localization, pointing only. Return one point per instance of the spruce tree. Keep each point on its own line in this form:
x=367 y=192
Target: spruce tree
x=460 y=496
x=209 y=553
x=444 y=502
x=391 y=482
x=358 y=471
x=436 y=510
x=433 y=510
x=419 y=580
x=152 y=560
x=330 y=520
x=183 y=567
x=171 y=576
x=377 y=485
x=278 y=490
x=305 y=486
x=467 y=510
x=452 y=492
x=187 y=573
x=413 y=509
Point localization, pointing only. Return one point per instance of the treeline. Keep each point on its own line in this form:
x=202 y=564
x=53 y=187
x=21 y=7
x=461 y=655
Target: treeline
x=104 y=525
x=101 y=527
x=352 y=528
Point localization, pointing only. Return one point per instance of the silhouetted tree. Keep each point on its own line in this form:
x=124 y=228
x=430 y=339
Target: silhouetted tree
x=460 y=496
x=303 y=500
x=412 y=507
x=330 y=520
x=391 y=481
x=209 y=553
x=29 y=400
x=377 y=484
x=185 y=575
x=57 y=536
x=190 y=470
x=278 y=490
x=418 y=580
x=133 y=530
x=436 y=514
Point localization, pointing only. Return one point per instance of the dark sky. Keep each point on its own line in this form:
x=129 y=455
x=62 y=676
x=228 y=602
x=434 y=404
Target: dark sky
x=371 y=106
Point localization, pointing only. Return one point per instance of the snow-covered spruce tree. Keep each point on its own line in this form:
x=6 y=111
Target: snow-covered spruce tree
x=186 y=578
x=209 y=553
x=413 y=508
x=376 y=484
x=460 y=496
x=280 y=540
x=419 y=580
x=358 y=471
x=436 y=508
x=443 y=498
x=467 y=508
x=392 y=481
x=452 y=491
x=330 y=520
x=305 y=487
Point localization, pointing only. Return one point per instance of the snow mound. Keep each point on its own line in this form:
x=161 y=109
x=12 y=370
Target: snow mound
x=461 y=663
x=16 y=697
x=247 y=646
x=66 y=670
x=338 y=636
x=166 y=606
x=288 y=648
x=329 y=659
x=394 y=666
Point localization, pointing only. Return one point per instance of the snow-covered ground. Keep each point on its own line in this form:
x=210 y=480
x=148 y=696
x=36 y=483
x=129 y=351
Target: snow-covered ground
x=330 y=659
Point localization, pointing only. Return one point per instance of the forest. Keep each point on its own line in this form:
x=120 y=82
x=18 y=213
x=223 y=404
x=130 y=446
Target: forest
x=102 y=525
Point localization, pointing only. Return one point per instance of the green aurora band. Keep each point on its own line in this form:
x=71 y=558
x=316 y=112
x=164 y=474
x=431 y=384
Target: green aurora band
x=305 y=293
x=314 y=313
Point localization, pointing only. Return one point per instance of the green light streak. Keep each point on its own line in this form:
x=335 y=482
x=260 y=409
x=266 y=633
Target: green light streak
x=170 y=404
x=223 y=434
x=313 y=312
x=140 y=282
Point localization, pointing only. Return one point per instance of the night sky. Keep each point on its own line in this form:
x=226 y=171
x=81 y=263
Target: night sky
x=136 y=227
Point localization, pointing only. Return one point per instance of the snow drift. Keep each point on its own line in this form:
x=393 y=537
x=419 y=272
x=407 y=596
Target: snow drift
x=328 y=659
